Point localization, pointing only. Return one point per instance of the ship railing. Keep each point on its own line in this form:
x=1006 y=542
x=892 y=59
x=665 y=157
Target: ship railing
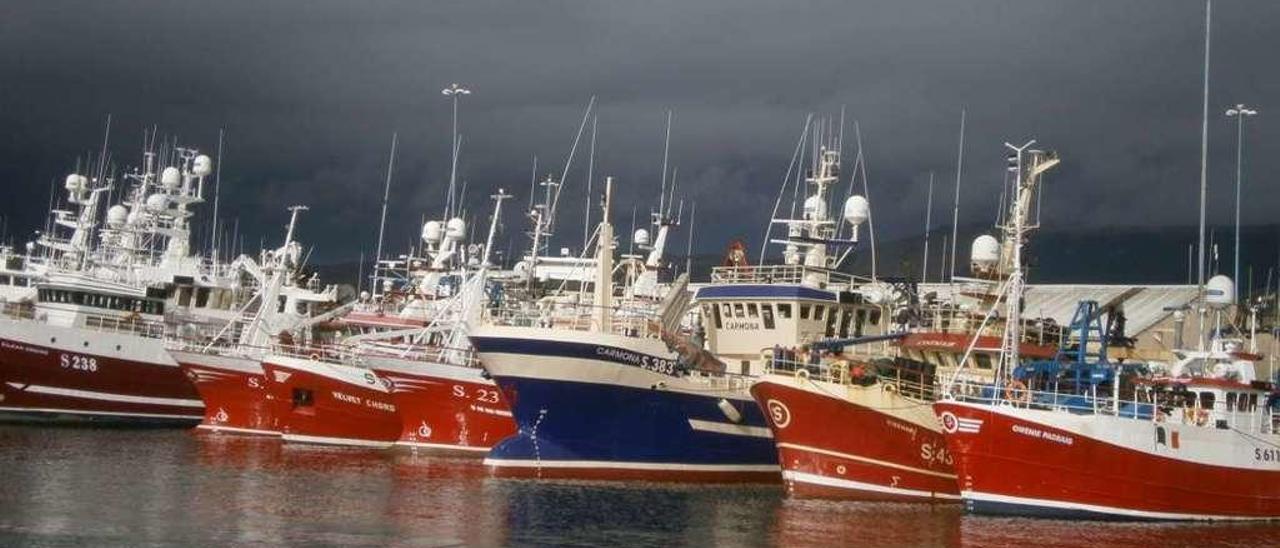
x=128 y=325
x=948 y=318
x=328 y=353
x=780 y=274
x=638 y=320
x=842 y=371
x=462 y=357
x=1138 y=402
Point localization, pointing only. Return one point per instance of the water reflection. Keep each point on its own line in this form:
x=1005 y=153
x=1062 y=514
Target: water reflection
x=123 y=487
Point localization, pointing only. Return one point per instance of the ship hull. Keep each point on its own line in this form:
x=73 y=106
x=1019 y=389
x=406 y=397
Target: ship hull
x=234 y=391
x=853 y=442
x=331 y=404
x=445 y=409
x=70 y=374
x=582 y=416
x=1023 y=462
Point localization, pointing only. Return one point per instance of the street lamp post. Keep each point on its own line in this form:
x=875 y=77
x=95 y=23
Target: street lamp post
x=1239 y=112
x=453 y=91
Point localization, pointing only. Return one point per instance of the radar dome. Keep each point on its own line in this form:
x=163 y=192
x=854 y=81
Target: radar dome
x=1219 y=292
x=76 y=182
x=364 y=296
x=815 y=207
x=157 y=202
x=31 y=247
x=985 y=251
x=170 y=177
x=641 y=237
x=455 y=229
x=117 y=215
x=432 y=232
x=202 y=166
x=856 y=210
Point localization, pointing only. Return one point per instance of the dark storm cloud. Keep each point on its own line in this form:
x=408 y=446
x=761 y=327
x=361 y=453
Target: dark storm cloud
x=310 y=92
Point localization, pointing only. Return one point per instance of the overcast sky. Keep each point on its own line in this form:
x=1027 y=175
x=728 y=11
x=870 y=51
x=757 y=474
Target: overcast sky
x=309 y=94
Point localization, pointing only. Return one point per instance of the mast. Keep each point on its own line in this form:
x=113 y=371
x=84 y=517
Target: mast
x=955 y=210
x=386 y=194
x=1204 y=173
x=928 y=218
x=604 y=266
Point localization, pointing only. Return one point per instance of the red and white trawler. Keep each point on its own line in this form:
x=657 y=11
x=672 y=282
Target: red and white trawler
x=331 y=394
x=1082 y=437
x=226 y=369
x=91 y=344
x=860 y=426
x=445 y=401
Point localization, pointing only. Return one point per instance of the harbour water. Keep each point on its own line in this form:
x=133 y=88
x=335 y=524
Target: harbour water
x=106 y=487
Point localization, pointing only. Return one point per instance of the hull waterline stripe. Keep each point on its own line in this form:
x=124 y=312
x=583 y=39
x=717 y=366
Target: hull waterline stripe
x=324 y=440
x=237 y=430
x=825 y=481
x=416 y=444
x=674 y=466
x=731 y=429
x=100 y=413
x=866 y=460
x=1099 y=509
x=106 y=396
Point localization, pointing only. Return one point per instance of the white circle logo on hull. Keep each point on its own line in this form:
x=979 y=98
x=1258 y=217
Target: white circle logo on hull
x=778 y=413
x=949 y=422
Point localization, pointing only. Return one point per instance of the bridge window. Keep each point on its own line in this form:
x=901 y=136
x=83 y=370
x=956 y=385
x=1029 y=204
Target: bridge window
x=1206 y=400
x=846 y=317
x=804 y=311
x=766 y=312
x=725 y=311
x=784 y=311
x=737 y=311
x=713 y=311
x=984 y=361
x=1231 y=401
x=752 y=311
x=817 y=312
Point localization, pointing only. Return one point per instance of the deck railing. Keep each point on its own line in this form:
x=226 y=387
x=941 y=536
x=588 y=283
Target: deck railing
x=779 y=274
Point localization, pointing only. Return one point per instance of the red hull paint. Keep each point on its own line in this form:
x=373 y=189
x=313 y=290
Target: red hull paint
x=235 y=394
x=340 y=411
x=1061 y=473
x=871 y=455
x=46 y=381
x=454 y=410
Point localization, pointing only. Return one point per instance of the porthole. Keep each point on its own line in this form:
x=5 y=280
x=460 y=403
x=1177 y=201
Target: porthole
x=86 y=344
x=53 y=339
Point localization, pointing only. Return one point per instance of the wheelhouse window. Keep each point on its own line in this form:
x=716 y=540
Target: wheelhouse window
x=804 y=311
x=784 y=311
x=737 y=311
x=766 y=313
x=714 y=312
x=752 y=310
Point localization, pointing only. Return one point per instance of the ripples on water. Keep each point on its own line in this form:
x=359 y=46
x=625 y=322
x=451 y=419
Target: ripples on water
x=99 y=487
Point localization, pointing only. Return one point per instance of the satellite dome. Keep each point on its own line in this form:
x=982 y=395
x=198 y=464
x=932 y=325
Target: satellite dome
x=364 y=296
x=856 y=210
x=455 y=229
x=76 y=182
x=202 y=166
x=117 y=215
x=1219 y=292
x=641 y=237
x=985 y=251
x=431 y=232
x=170 y=177
x=157 y=202
x=815 y=207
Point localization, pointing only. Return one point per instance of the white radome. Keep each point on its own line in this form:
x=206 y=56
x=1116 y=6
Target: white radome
x=856 y=210
x=170 y=177
x=1219 y=292
x=432 y=232
x=985 y=251
x=117 y=215
x=157 y=202
x=455 y=229
x=203 y=166
x=641 y=237
x=815 y=207
x=76 y=182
